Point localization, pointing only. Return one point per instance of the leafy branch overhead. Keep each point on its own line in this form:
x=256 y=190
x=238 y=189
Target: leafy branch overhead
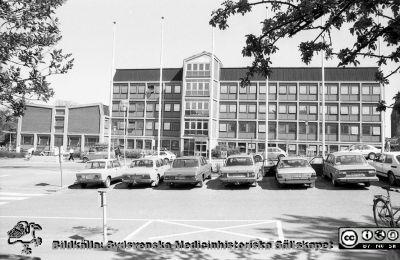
x=367 y=21
x=29 y=32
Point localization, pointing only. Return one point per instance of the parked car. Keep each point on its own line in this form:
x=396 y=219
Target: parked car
x=100 y=171
x=188 y=170
x=167 y=156
x=294 y=170
x=388 y=165
x=89 y=156
x=348 y=167
x=239 y=169
x=149 y=170
x=369 y=151
x=274 y=153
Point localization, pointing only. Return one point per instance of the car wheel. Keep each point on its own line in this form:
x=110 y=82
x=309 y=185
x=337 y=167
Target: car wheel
x=130 y=185
x=85 y=159
x=392 y=179
x=201 y=182
x=371 y=156
x=107 y=183
x=156 y=182
x=83 y=185
x=171 y=185
x=367 y=184
x=334 y=182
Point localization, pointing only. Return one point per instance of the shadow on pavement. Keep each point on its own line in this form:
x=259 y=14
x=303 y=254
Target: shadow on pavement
x=17 y=257
x=76 y=186
x=270 y=183
x=216 y=184
x=126 y=186
x=321 y=229
x=326 y=184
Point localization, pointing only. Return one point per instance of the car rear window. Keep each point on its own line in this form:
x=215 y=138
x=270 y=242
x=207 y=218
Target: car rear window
x=185 y=163
x=95 y=165
x=142 y=163
x=350 y=159
x=239 y=161
x=295 y=163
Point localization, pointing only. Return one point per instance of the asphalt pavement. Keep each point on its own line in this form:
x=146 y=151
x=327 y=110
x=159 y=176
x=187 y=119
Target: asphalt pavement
x=31 y=191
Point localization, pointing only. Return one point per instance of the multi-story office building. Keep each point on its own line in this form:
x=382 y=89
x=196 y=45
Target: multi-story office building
x=194 y=117
x=45 y=127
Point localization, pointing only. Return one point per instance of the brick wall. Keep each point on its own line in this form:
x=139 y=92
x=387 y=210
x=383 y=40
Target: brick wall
x=84 y=120
x=37 y=119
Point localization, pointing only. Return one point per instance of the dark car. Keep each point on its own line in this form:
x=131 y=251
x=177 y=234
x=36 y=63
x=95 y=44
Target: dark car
x=188 y=170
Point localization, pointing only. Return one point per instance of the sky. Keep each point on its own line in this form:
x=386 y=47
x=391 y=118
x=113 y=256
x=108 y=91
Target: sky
x=87 y=30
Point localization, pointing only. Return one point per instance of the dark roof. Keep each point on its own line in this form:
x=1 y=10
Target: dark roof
x=278 y=74
x=169 y=74
x=305 y=74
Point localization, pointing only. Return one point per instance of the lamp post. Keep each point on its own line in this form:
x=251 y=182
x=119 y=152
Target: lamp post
x=307 y=145
x=125 y=105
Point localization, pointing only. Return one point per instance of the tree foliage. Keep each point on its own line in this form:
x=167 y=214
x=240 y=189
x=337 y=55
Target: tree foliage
x=29 y=32
x=367 y=21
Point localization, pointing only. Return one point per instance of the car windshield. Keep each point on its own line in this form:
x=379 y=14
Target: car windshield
x=350 y=159
x=238 y=161
x=185 y=163
x=142 y=163
x=294 y=163
x=95 y=165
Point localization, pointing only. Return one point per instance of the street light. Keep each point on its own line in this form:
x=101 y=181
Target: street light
x=307 y=145
x=125 y=105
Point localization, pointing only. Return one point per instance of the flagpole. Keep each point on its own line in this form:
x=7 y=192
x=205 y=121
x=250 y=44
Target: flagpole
x=210 y=127
x=323 y=95
x=266 y=113
x=161 y=90
x=382 y=90
x=111 y=92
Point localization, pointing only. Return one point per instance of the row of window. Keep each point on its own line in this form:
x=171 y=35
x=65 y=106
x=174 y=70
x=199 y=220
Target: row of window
x=303 y=89
x=141 y=89
x=345 y=109
x=150 y=125
x=139 y=107
x=285 y=128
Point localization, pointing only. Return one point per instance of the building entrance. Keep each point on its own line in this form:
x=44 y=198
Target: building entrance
x=200 y=148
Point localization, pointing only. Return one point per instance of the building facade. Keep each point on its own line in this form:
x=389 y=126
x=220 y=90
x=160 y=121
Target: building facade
x=196 y=115
x=45 y=127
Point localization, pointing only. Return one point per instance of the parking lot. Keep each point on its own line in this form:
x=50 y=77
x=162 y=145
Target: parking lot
x=31 y=191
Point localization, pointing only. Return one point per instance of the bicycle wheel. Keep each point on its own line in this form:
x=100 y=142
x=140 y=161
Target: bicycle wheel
x=382 y=214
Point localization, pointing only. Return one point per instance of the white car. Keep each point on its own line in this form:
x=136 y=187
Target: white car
x=167 y=156
x=293 y=170
x=149 y=170
x=369 y=151
x=100 y=171
x=388 y=165
x=240 y=169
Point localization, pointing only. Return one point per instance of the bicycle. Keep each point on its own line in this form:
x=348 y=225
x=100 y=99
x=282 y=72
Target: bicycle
x=384 y=215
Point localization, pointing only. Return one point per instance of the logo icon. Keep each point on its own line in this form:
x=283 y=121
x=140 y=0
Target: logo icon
x=24 y=232
x=367 y=235
x=392 y=235
x=380 y=234
x=349 y=238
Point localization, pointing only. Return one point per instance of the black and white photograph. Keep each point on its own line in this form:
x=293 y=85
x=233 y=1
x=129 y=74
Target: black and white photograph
x=200 y=129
